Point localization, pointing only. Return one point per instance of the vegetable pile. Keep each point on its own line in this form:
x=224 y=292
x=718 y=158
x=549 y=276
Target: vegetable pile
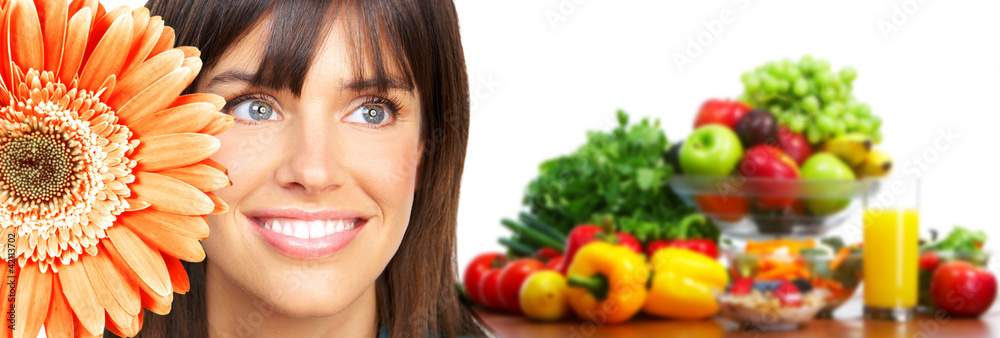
x=622 y=173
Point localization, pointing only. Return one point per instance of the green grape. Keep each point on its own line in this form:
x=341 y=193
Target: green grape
x=839 y=128
x=813 y=135
x=810 y=104
x=849 y=74
x=822 y=66
x=828 y=94
x=877 y=137
x=770 y=85
x=850 y=121
x=783 y=86
x=864 y=126
x=808 y=97
x=801 y=87
x=824 y=123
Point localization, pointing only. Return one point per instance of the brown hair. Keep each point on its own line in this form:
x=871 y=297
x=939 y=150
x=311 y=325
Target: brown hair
x=420 y=38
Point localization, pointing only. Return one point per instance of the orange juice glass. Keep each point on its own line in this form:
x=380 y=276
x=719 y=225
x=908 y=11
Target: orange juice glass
x=891 y=221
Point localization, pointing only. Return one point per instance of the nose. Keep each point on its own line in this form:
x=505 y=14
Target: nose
x=311 y=164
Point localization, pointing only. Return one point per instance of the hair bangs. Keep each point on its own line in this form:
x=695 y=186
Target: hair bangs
x=297 y=33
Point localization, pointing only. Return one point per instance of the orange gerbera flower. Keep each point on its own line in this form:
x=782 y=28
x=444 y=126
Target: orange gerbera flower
x=104 y=169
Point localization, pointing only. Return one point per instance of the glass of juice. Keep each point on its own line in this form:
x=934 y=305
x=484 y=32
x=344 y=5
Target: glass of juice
x=890 y=225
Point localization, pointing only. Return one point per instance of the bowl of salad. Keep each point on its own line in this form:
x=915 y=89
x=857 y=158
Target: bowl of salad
x=827 y=265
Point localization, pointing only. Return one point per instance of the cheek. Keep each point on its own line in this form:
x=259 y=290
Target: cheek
x=386 y=170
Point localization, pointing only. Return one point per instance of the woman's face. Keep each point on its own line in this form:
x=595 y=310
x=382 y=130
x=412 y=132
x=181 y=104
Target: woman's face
x=323 y=183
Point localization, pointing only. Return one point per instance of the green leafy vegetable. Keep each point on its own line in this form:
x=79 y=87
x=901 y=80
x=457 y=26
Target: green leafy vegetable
x=622 y=173
x=959 y=239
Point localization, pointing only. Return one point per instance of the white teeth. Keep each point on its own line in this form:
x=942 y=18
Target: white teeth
x=307 y=229
x=331 y=227
x=301 y=230
x=317 y=229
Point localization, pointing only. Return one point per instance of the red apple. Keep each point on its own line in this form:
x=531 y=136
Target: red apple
x=962 y=289
x=794 y=144
x=772 y=175
x=721 y=111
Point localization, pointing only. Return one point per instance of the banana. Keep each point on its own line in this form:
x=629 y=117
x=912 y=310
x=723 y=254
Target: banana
x=877 y=164
x=852 y=148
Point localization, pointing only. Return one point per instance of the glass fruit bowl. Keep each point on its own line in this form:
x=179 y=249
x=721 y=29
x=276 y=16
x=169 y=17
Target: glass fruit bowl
x=750 y=207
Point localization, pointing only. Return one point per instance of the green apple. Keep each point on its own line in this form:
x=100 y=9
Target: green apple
x=827 y=169
x=711 y=150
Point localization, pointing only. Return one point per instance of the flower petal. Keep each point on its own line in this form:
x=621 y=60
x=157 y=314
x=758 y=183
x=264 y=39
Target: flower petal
x=80 y=5
x=217 y=100
x=145 y=75
x=184 y=119
x=60 y=321
x=53 y=19
x=125 y=290
x=144 y=44
x=178 y=276
x=130 y=329
x=183 y=247
x=174 y=150
x=103 y=288
x=164 y=43
x=27 y=46
x=32 y=300
x=200 y=176
x=191 y=226
x=155 y=97
x=221 y=123
x=82 y=297
x=220 y=206
x=107 y=57
x=158 y=304
x=170 y=195
x=146 y=263
x=76 y=41
x=102 y=24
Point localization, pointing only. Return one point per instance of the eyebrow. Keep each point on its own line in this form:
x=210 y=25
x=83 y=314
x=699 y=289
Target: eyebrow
x=355 y=85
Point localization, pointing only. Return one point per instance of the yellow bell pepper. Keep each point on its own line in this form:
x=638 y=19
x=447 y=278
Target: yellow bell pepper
x=607 y=283
x=684 y=284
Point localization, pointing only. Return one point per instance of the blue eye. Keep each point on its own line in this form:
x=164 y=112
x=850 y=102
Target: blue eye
x=369 y=114
x=254 y=110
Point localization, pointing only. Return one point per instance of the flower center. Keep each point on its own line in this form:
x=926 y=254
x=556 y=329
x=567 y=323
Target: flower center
x=38 y=168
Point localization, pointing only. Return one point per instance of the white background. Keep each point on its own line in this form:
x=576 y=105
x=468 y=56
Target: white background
x=542 y=72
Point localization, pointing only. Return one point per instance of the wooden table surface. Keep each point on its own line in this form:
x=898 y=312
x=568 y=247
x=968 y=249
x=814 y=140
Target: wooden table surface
x=848 y=323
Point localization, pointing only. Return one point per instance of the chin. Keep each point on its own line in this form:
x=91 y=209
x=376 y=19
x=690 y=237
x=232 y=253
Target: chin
x=311 y=298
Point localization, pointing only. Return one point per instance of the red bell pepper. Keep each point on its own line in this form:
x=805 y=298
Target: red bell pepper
x=586 y=233
x=680 y=238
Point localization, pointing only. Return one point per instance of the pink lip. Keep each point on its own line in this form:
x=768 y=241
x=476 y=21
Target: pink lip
x=313 y=248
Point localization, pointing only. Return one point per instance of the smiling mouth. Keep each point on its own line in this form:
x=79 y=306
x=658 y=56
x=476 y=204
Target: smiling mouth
x=306 y=229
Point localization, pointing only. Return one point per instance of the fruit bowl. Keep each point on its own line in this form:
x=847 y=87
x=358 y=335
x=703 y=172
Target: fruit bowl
x=750 y=207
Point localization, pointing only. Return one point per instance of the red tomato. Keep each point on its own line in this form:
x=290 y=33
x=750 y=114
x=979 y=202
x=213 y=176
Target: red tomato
x=488 y=291
x=929 y=261
x=511 y=278
x=961 y=289
x=476 y=269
